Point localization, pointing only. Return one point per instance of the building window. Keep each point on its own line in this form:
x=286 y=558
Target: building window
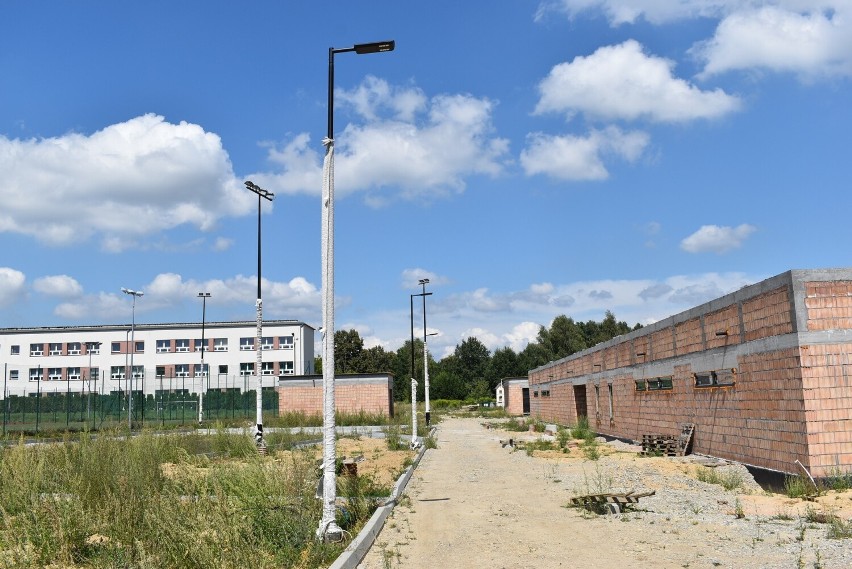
x=140 y=347
x=36 y=349
x=246 y=344
x=717 y=378
x=116 y=372
x=198 y=343
x=54 y=374
x=73 y=373
x=285 y=368
x=13 y=375
x=93 y=348
x=285 y=342
x=223 y=369
x=220 y=345
x=641 y=385
x=138 y=372
x=660 y=383
x=74 y=348
x=116 y=347
x=55 y=349
x=94 y=373
x=266 y=343
x=15 y=350
x=535 y=393
x=35 y=374
x=246 y=369
x=197 y=372
x=182 y=345
x=181 y=370
x=160 y=371
x=545 y=393
x=267 y=368
x=164 y=346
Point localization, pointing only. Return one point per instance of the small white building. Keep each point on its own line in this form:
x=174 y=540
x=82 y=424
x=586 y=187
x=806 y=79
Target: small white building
x=99 y=359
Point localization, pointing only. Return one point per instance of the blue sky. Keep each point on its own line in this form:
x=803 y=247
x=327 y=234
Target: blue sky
x=531 y=158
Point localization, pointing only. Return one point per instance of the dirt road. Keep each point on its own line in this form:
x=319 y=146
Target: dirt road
x=473 y=503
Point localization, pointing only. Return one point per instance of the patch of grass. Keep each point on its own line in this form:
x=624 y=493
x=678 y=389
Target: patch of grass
x=796 y=487
x=582 y=430
x=539 y=444
x=151 y=501
x=729 y=479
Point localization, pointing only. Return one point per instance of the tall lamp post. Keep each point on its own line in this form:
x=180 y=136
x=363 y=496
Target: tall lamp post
x=328 y=528
x=427 y=415
x=258 y=434
x=90 y=347
x=203 y=296
x=135 y=294
x=424 y=294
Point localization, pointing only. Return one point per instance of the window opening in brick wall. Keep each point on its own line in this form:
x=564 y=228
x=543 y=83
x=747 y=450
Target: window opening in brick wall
x=545 y=393
x=535 y=393
x=660 y=383
x=641 y=385
x=716 y=378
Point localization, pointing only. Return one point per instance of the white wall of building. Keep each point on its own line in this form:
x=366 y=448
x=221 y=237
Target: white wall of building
x=290 y=351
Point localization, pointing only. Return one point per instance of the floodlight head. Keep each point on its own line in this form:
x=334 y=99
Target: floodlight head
x=423 y=281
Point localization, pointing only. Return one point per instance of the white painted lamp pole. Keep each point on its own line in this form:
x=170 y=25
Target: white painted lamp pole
x=328 y=528
x=203 y=296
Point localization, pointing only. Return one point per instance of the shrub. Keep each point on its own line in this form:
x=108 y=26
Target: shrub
x=729 y=479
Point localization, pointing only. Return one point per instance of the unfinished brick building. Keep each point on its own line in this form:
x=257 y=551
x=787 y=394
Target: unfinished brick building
x=353 y=393
x=763 y=373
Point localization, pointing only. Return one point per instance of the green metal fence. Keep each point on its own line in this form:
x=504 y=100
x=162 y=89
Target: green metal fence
x=73 y=411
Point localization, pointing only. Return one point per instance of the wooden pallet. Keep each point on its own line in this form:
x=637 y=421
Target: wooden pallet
x=659 y=445
x=612 y=502
x=667 y=445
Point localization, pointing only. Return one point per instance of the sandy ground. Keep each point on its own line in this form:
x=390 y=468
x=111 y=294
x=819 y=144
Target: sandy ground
x=474 y=503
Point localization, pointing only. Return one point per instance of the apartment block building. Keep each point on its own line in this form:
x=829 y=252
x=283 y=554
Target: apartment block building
x=101 y=359
x=764 y=374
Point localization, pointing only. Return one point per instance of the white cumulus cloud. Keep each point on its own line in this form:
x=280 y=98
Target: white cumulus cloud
x=124 y=182
x=621 y=82
x=58 y=285
x=810 y=43
x=717 y=239
x=404 y=145
x=570 y=157
x=11 y=286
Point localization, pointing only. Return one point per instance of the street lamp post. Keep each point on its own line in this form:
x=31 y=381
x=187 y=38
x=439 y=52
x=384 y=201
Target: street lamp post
x=90 y=346
x=135 y=294
x=427 y=414
x=258 y=434
x=203 y=296
x=328 y=528
x=424 y=294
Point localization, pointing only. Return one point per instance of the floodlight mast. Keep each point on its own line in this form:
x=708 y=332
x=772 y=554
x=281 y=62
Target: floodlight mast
x=258 y=433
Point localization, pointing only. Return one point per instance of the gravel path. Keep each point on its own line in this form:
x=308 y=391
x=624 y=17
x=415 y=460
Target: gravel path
x=474 y=503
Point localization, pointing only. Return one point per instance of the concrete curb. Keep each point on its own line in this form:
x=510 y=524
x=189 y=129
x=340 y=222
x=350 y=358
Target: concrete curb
x=357 y=550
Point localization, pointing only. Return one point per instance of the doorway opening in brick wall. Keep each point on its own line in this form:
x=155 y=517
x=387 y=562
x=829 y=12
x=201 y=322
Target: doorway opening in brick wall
x=580 y=401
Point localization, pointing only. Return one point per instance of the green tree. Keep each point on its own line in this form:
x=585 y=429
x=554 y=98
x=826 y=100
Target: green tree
x=504 y=363
x=347 y=350
x=375 y=360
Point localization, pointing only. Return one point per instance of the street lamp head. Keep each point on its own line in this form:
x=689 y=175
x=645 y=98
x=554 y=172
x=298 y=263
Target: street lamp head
x=203 y=295
x=374 y=47
x=132 y=292
x=423 y=281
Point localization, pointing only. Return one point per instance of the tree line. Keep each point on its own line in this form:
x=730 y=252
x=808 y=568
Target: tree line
x=471 y=371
